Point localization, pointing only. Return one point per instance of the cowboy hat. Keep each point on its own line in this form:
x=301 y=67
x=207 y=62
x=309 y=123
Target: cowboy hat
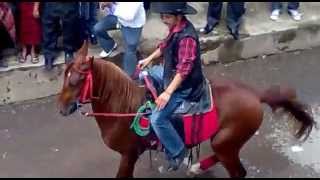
x=172 y=8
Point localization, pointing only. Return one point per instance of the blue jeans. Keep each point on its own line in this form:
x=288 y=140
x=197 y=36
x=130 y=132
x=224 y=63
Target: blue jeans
x=107 y=23
x=161 y=121
x=278 y=5
x=131 y=38
x=156 y=72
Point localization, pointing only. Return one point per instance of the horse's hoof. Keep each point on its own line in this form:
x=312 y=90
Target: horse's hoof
x=194 y=170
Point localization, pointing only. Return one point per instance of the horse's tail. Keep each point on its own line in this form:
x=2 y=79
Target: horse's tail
x=277 y=97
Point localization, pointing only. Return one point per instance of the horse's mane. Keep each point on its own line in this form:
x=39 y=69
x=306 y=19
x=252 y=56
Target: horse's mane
x=115 y=88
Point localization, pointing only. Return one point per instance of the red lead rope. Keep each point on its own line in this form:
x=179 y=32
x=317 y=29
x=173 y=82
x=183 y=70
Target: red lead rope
x=86 y=90
x=150 y=87
x=113 y=114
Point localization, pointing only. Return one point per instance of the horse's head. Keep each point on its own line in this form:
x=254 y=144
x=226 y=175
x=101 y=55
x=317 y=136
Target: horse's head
x=74 y=78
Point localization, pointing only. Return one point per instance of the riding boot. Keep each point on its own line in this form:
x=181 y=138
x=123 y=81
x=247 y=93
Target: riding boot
x=177 y=161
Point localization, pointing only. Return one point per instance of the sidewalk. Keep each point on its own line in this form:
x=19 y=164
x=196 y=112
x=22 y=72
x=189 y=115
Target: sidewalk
x=259 y=36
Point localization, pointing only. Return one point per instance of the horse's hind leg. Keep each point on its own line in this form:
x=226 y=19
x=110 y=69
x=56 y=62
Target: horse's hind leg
x=227 y=152
x=231 y=161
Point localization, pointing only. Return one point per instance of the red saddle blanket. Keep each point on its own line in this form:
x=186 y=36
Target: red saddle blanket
x=197 y=127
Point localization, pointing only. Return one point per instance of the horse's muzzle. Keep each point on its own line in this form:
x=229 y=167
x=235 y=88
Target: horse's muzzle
x=70 y=109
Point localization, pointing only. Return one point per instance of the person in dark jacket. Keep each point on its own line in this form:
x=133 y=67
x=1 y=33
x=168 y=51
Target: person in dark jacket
x=180 y=75
x=51 y=14
x=88 y=17
x=235 y=10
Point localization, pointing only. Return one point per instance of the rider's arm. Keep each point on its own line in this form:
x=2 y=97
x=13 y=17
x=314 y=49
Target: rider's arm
x=159 y=51
x=156 y=54
x=187 y=54
x=186 y=57
x=175 y=83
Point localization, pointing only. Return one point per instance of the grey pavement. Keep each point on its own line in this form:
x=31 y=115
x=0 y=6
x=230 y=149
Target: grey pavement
x=260 y=36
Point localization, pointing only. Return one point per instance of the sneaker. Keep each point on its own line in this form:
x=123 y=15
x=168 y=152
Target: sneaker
x=194 y=170
x=105 y=54
x=275 y=14
x=296 y=15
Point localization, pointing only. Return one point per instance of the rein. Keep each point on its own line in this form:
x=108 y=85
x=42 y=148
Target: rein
x=112 y=114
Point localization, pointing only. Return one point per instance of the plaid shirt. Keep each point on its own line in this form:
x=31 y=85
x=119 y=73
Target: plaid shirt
x=186 y=51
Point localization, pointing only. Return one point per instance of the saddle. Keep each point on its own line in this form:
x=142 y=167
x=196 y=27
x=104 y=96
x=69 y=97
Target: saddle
x=186 y=107
x=194 y=121
x=194 y=107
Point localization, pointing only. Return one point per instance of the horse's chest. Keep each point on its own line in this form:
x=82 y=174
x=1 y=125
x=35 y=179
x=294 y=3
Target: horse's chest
x=116 y=141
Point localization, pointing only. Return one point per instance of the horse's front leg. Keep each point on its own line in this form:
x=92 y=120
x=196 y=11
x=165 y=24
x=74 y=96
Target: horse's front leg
x=127 y=164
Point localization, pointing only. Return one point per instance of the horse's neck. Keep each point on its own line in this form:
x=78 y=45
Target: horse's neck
x=117 y=99
x=117 y=92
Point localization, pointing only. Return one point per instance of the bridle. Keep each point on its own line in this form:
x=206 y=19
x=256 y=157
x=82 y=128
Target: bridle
x=86 y=95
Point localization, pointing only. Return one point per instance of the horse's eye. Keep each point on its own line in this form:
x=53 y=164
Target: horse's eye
x=72 y=79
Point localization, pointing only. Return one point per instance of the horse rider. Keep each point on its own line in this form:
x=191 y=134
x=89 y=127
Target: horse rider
x=180 y=75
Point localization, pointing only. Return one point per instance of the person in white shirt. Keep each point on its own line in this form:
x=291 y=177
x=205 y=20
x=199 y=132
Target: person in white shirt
x=130 y=17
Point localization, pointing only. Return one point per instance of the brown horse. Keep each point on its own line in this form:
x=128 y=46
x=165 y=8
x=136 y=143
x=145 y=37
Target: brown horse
x=239 y=108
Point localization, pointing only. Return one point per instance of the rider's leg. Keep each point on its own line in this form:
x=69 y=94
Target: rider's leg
x=162 y=125
x=156 y=74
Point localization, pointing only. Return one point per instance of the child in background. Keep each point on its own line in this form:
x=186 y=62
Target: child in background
x=30 y=30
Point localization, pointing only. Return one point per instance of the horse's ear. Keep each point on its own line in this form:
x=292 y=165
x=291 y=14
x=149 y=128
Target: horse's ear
x=91 y=61
x=84 y=49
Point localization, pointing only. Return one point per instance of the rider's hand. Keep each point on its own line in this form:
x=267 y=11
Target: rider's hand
x=162 y=100
x=143 y=63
